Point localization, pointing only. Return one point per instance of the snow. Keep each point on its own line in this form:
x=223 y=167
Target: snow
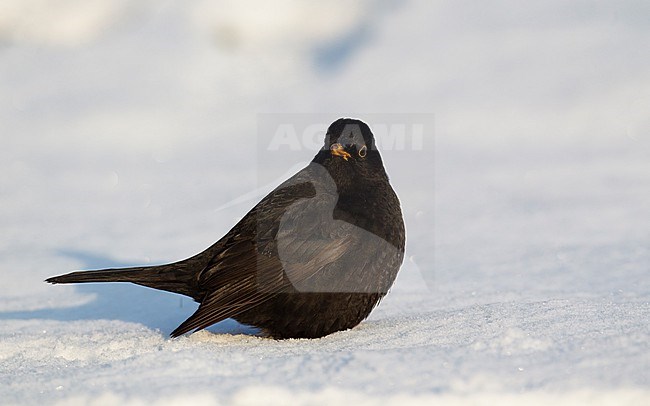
x=139 y=132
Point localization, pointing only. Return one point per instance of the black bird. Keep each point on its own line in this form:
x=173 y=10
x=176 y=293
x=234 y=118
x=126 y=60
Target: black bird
x=313 y=257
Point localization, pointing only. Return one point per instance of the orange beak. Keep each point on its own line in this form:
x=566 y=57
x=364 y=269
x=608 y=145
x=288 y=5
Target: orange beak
x=338 y=150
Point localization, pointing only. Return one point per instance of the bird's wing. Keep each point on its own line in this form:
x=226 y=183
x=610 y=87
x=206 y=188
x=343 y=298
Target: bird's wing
x=246 y=271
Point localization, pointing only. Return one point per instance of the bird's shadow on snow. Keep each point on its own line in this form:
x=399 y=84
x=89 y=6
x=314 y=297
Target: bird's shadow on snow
x=127 y=302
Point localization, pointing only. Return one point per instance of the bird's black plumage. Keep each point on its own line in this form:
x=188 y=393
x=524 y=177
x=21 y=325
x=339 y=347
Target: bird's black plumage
x=314 y=257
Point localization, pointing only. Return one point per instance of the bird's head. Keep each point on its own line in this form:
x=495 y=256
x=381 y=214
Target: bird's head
x=349 y=152
x=348 y=140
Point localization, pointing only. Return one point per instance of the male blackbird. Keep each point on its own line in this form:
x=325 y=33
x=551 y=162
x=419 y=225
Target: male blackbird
x=313 y=257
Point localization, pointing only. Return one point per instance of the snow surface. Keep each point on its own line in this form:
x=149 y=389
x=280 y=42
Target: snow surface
x=138 y=132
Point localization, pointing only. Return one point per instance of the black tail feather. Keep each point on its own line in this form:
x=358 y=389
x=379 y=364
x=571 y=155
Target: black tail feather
x=102 y=275
x=174 y=278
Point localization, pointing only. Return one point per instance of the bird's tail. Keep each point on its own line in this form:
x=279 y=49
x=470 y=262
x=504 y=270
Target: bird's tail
x=176 y=277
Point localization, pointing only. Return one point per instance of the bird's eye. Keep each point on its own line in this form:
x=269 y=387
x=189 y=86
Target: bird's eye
x=363 y=151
